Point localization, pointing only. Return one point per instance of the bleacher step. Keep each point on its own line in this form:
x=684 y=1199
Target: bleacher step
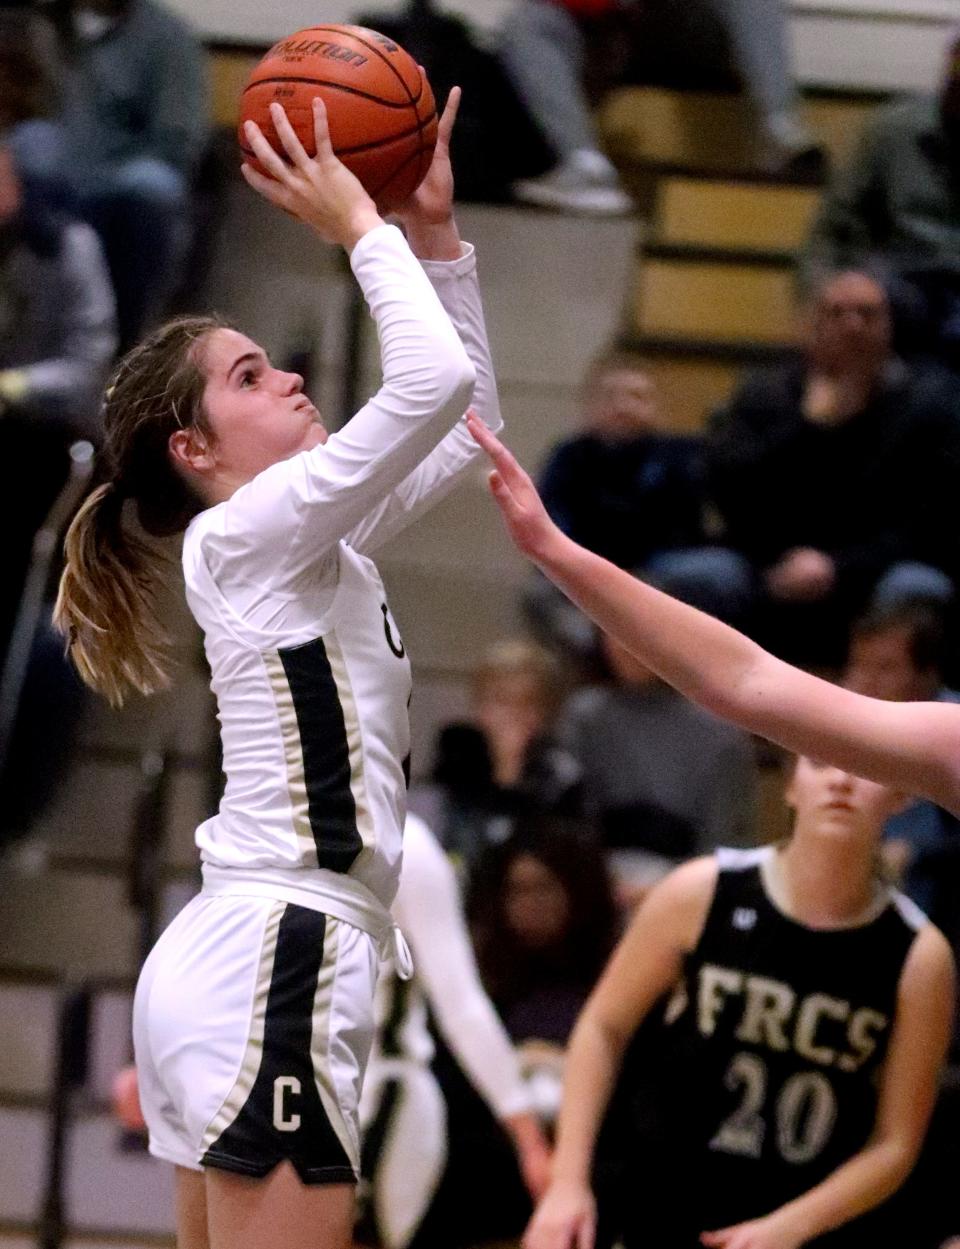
x=704 y=131
x=95 y=808
x=75 y=924
x=738 y=216
x=715 y=301
x=108 y=1190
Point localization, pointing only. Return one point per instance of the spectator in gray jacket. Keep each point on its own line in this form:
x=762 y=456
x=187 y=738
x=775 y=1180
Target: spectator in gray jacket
x=57 y=341
x=899 y=198
x=133 y=126
x=661 y=778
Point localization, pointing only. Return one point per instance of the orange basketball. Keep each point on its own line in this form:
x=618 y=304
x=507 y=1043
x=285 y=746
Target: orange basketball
x=381 y=111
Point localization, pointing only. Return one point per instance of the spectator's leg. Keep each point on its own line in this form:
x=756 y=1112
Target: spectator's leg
x=543 y=50
x=714 y=579
x=141 y=214
x=758 y=35
x=910 y=580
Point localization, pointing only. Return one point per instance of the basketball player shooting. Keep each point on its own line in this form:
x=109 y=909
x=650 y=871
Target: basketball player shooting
x=253 y=1015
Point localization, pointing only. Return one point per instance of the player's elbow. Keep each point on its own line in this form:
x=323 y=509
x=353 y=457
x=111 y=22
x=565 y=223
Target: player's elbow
x=442 y=387
x=600 y=1029
x=899 y=1152
x=461 y=378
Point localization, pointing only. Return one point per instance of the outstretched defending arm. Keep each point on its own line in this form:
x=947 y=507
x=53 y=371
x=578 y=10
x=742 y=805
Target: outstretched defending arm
x=913 y=746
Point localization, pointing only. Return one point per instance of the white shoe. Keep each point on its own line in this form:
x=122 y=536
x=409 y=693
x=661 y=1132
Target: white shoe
x=584 y=182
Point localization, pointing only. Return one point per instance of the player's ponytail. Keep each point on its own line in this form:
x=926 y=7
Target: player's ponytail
x=107 y=607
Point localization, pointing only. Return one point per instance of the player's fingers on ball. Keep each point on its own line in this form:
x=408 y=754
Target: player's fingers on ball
x=321 y=129
x=268 y=187
x=449 y=116
x=265 y=154
x=288 y=136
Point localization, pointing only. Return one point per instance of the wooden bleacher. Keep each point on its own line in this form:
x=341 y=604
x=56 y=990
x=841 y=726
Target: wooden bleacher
x=715 y=288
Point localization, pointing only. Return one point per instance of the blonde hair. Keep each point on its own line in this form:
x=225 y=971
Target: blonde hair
x=107 y=605
x=520 y=658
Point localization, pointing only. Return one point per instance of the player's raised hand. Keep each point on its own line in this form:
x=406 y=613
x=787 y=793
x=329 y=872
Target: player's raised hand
x=565 y=1219
x=427 y=216
x=531 y=529
x=432 y=201
x=319 y=190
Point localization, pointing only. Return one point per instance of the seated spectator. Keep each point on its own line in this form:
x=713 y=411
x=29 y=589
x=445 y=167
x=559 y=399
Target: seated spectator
x=544 y=922
x=629 y=490
x=835 y=475
x=898 y=653
x=504 y=763
x=898 y=199
x=662 y=779
x=31 y=81
x=553 y=49
x=56 y=344
x=134 y=125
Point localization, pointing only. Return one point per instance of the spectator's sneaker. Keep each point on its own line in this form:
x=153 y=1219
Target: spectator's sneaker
x=789 y=151
x=584 y=183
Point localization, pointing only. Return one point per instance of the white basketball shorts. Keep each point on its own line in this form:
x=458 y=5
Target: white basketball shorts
x=252 y=1026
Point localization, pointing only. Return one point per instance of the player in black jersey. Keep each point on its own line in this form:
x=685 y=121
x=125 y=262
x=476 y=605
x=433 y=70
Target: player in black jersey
x=808 y=1008
x=766 y=1118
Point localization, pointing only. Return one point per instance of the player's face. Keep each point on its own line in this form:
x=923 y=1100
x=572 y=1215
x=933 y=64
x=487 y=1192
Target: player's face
x=828 y=800
x=259 y=415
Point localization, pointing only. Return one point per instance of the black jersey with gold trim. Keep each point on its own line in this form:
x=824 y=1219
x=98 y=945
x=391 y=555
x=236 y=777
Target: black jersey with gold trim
x=782 y=1031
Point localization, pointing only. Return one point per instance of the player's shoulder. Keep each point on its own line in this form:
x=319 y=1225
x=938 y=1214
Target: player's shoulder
x=929 y=972
x=681 y=901
x=930 y=946
x=692 y=884
x=737 y=859
x=698 y=878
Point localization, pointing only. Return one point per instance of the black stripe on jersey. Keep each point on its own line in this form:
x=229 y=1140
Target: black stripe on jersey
x=326 y=754
x=285 y=1087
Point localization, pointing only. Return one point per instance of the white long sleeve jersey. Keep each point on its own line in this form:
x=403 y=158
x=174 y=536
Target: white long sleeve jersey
x=309 y=671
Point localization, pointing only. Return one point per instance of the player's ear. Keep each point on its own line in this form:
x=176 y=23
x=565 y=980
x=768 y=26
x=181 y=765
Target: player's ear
x=190 y=450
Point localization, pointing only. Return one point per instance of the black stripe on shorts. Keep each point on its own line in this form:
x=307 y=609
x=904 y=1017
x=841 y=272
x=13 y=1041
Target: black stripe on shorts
x=283 y=1119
